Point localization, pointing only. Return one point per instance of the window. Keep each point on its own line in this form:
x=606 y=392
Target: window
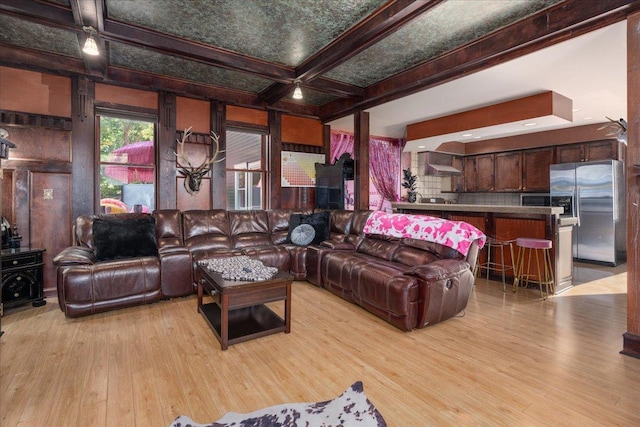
x=245 y=170
x=127 y=164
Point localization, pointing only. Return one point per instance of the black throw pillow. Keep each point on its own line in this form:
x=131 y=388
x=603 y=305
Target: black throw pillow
x=301 y=235
x=124 y=238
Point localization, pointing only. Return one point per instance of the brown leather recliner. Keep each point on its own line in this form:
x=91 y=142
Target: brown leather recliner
x=87 y=286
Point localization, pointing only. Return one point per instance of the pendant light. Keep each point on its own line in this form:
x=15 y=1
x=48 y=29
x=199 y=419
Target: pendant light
x=90 y=45
x=297 y=93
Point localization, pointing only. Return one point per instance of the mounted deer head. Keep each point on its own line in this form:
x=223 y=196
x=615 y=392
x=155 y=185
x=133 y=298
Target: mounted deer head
x=193 y=174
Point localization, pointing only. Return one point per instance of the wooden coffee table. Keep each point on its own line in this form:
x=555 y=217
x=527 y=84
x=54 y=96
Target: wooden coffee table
x=238 y=312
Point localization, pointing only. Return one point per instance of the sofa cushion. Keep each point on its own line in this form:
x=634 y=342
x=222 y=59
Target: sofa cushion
x=126 y=238
x=299 y=235
x=379 y=246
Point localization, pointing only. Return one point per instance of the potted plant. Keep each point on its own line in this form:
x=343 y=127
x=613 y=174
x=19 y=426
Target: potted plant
x=409 y=182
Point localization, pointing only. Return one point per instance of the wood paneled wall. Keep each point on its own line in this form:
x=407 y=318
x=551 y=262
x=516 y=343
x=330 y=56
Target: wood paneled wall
x=37 y=191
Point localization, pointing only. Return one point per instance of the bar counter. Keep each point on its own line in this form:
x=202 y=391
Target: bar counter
x=447 y=207
x=506 y=222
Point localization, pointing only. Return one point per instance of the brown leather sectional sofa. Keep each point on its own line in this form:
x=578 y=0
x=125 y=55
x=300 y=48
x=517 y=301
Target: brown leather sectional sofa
x=407 y=282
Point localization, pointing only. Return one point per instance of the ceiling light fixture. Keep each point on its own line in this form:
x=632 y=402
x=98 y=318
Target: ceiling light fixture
x=90 y=45
x=467 y=134
x=297 y=93
x=529 y=124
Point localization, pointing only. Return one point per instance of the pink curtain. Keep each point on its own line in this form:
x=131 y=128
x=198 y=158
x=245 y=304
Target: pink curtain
x=341 y=143
x=384 y=163
x=384 y=168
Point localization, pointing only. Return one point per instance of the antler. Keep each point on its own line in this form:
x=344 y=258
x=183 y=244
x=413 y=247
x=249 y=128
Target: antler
x=180 y=155
x=618 y=126
x=204 y=166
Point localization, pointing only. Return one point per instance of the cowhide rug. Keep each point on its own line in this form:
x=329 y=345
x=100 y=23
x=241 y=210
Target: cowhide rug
x=351 y=408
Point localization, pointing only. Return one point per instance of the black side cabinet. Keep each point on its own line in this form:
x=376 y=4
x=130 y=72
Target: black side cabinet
x=22 y=280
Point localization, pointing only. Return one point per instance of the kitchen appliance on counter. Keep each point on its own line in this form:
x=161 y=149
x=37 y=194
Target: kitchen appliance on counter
x=535 y=199
x=593 y=193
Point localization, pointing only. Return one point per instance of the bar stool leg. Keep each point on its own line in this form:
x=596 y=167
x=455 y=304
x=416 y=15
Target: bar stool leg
x=504 y=283
x=541 y=280
x=518 y=268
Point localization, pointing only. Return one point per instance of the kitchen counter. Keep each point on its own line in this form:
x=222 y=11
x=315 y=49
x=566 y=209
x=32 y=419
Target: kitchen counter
x=507 y=209
x=506 y=222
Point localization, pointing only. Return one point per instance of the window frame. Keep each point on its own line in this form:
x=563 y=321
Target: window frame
x=263 y=169
x=126 y=115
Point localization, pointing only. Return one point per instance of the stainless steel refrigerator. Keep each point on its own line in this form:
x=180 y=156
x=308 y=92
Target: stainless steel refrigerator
x=593 y=192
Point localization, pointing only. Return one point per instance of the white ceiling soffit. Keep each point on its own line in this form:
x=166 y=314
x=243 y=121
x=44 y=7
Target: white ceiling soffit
x=591 y=70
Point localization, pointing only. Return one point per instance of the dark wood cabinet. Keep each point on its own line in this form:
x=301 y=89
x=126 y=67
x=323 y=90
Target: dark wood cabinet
x=535 y=169
x=22 y=279
x=524 y=170
x=478 y=173
x=470 y=184
x=508 y=171
x=587 y=151
x=601 y=150
x=457 y=181
x=485 y=172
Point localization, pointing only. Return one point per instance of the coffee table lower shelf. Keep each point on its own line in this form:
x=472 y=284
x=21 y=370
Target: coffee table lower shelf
x=244 y=323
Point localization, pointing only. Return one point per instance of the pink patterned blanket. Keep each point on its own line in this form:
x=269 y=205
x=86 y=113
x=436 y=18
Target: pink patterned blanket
x=458 y=235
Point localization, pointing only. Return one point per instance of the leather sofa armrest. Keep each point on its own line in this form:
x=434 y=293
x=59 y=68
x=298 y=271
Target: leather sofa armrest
x=445 y=287
x=75 y=255
x=438 y=270
x=168 y=250
x=340 y=246
x=176 y=272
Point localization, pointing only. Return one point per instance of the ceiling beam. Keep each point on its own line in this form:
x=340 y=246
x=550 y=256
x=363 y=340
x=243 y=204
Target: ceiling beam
x=183 y=48
x=277 y=91
x=38 y=60
x=554 y=25
x=387 y=19
x=91 y=13
x=42 y=12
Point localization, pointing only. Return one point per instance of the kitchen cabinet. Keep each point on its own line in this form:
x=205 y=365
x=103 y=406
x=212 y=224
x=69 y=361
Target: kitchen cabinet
x=508 y=171
x=587 y=151
x=478 y=173
x=485 y=172
x=457 y=181
x=535 y=169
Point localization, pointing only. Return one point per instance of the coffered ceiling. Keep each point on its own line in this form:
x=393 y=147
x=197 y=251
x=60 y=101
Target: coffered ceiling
x=349 y=55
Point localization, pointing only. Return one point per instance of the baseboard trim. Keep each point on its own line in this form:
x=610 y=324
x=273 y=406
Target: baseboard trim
x=631 y=345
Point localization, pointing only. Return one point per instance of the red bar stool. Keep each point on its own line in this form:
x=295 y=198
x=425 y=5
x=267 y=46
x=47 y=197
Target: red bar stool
x=492 y=264
x=542 y=248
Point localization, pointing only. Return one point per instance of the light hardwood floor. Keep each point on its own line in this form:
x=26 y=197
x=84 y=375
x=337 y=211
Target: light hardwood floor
x=511 y=360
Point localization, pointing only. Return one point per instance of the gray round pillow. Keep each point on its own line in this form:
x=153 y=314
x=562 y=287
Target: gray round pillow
x=303 y=234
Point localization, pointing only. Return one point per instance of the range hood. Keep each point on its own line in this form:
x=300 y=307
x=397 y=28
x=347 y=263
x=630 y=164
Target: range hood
x=438 y=164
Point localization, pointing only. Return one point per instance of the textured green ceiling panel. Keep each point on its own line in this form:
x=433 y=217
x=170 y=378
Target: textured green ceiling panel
x=66 y=3
x=35 y=36
x=152 y=62
x=282 y=31
x=447 y=27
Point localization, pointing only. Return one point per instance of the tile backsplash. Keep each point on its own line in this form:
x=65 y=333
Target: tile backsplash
x=503 y=199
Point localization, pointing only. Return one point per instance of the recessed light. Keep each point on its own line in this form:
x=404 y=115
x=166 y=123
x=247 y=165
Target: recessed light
x=420 y=146
x=588 y=118
x=467 y=134
x=477 y=137
x=575 y=110
x=530 y=124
